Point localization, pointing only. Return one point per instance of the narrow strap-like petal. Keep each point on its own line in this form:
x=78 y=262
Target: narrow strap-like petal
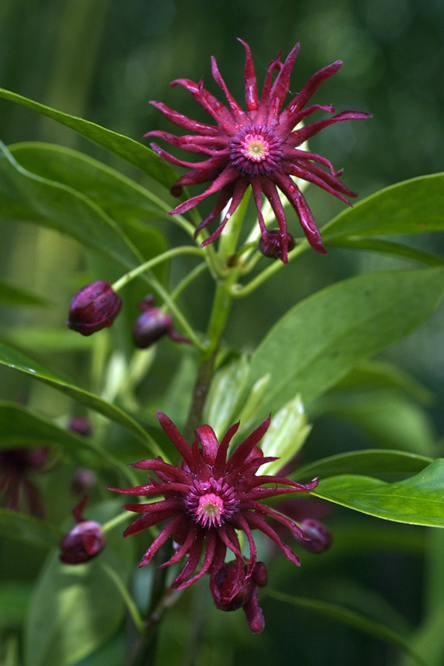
x=250 y=81
x=176 y=438
x=244 y=449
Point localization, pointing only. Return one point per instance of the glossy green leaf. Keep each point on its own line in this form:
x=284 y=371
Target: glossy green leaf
x=416 y=501
x=352 y=619
x=413 y=206
x=49 y=339
x=75 y=608
x=386 y=247
x=12 y=295
x=114 y=193
x=28 y=197
x=384 y=465
x=16 y=359
x=35 y=531
x=320 y=340
x=130 y=150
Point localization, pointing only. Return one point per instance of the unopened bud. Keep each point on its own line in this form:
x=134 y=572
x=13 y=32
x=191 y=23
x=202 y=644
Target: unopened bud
x=153 y=324
x=271 y=246
x=229 y=587
x=320 y=537
x=94 y=307
x=82 y=543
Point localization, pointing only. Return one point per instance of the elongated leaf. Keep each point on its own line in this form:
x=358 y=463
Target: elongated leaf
x=28 y=197
x=352 y=619
x=115 y=194
x=128 y=149
x=76 y=608
x=12 y=295
x=384 y=465
x=416 y=501
x=15 y=359
x=413 y=206
x=37 y=532
x=320 y=340
x=385 y=247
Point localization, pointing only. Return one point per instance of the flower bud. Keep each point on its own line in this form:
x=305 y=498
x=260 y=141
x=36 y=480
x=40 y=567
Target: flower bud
x=82 y=543
x=84 y=481
x=253 y=613
x=151 y=325
x=80 y=425
x=271 y=247
x=320 y=537
x=94 y=307
x=229 y=587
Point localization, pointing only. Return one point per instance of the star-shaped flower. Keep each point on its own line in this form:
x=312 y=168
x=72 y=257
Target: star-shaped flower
x=208 y=499
x=259 y=147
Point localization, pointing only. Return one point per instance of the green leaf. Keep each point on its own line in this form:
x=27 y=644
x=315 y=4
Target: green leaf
x=386 y=247
x=16 y=359
x=320 y=340
x=413 y=206
x=120 y=145
x=20 y=526
x=12 y=295
x=28 y=197
x=415 y=501
x=350 y=618
x=384 y=465
x=117 y=195
x=76 y=608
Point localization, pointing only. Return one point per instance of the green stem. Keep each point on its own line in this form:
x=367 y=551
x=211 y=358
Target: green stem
x=239 y=291
x=115 y=522
x=222 y=303
x=148 y=265
x=129 y=603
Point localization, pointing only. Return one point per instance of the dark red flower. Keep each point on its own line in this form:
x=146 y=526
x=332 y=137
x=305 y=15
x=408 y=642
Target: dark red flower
x=15 y=468
x=94 y=307
x=152 y=325
x=208 y=498
x=84 y=541
x=257 y=147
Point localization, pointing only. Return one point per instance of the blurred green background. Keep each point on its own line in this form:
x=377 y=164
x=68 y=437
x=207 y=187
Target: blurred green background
x=104 y=60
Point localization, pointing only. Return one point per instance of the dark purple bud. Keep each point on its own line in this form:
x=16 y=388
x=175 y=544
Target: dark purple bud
x=150 y=327
x=81 y=425
x=229 y=587
x=93 y=307
x=84 y=481
x=82 y=543
x=320 y=537
x=271 y=246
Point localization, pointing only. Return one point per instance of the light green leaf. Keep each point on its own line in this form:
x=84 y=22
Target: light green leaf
x=76 y=608
x=320 y=340
x=413 y=206
x=415 y=501
x=115 y=194
x=350 y=618
x=28 y=197
x=124 y=147
x=15 y=359
x=384 y=465
x=20 y=526
x=286 y=435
